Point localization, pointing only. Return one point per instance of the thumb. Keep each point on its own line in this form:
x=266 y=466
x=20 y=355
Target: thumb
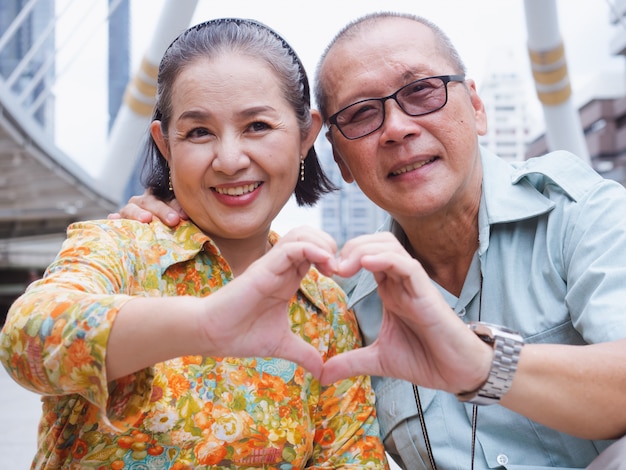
x=297 y=350
x=362 y=361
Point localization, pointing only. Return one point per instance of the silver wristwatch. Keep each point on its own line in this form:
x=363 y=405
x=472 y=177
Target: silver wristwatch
x=507 y=345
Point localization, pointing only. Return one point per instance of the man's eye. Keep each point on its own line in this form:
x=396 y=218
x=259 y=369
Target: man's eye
x=359 y=112
x=419 y=89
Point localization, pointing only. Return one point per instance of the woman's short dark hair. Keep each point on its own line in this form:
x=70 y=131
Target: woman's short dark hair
x=214 y=37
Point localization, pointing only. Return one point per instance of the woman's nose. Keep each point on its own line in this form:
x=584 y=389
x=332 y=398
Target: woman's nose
x=230 y=158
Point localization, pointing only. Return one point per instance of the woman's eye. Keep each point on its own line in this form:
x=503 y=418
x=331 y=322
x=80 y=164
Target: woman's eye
x=197 y=132
x=259 y=126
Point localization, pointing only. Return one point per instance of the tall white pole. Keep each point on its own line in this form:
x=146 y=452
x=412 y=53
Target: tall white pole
x=131 y=124
x=549 y=66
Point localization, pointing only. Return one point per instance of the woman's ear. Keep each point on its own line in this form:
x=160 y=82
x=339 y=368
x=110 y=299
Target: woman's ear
x=161 y=141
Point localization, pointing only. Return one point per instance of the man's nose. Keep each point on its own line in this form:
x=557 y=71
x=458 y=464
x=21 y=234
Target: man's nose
x=397 y=123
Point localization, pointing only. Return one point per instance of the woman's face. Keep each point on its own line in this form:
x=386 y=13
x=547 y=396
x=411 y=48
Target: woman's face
x=233 y=145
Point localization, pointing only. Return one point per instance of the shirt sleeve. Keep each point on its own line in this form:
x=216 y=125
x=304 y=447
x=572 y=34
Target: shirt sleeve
x=347 y=432
x=55 y=337
x=595 y=262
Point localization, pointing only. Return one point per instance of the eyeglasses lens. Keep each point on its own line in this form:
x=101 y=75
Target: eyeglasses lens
x=364 y=117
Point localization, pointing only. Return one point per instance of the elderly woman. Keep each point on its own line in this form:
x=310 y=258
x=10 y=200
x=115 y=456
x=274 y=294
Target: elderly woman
x=172 y=348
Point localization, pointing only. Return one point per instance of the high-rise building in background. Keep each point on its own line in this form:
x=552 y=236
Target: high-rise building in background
x=27 y=55
x=504 y=92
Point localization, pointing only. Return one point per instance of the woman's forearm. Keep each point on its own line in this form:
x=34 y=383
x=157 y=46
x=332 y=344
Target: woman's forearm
x=148 y=330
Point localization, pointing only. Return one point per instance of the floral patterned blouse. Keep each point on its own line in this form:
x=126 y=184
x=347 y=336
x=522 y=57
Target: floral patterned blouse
x=191 y=412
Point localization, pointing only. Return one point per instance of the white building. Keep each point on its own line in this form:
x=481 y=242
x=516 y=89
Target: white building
x=506 y=93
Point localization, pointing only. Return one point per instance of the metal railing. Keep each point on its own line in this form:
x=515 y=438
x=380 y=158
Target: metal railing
x=30 y=48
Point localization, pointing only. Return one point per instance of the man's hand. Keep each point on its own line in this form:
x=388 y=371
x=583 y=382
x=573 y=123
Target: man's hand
x=143 y=208
x=421 y=339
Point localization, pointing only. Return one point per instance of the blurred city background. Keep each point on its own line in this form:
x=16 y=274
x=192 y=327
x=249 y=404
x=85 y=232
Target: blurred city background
x=77 y=81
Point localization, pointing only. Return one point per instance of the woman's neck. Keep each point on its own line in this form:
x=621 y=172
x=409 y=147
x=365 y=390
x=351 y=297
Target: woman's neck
x=241 y=253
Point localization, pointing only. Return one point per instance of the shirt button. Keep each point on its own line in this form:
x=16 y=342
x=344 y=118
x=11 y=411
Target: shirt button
x=502 y=459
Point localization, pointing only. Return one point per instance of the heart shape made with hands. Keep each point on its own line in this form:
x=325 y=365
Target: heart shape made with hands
x=415 y=318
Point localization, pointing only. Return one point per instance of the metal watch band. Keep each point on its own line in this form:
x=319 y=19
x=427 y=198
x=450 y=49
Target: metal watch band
x=507 y=345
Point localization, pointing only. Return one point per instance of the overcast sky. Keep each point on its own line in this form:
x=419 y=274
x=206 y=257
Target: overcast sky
x=478 y=28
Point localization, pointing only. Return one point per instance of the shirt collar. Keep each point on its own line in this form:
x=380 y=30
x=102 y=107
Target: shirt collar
x=180 y=243
x=507 y=195
x=186 y=240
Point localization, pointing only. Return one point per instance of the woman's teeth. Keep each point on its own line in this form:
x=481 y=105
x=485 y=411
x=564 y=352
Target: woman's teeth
x=238 y=190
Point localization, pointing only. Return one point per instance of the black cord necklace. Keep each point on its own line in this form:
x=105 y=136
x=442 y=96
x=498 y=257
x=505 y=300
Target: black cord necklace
x=429 y=450
x=420 y=411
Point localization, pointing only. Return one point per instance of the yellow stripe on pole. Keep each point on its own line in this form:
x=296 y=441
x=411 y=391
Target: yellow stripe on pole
x=145 y=88
x=136 y=105
x=548 y=56
x=555 y=97
x=551 y=77
x=141 y=91
x=549 y=69
x=149 y=69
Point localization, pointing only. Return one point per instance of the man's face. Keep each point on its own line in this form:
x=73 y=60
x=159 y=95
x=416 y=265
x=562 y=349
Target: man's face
x=413 y=166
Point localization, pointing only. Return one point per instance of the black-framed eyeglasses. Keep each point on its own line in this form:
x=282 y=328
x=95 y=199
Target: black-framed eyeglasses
x=422 y=96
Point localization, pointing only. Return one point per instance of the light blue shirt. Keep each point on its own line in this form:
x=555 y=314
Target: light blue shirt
x=552 y=256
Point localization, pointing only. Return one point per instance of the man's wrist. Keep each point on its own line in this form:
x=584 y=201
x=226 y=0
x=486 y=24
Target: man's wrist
x=507 y=345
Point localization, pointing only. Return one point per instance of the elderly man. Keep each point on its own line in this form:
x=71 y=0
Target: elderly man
x=539 y=249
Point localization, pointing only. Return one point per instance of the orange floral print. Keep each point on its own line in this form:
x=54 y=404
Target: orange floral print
x=79 y=354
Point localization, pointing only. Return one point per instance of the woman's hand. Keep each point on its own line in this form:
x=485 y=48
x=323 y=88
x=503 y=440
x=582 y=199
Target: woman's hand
x=143 y=208
x=251 y=318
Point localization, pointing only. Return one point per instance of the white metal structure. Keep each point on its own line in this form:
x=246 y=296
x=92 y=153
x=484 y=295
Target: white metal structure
x=134 y=116
x=42 y=190
x=549 y=67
